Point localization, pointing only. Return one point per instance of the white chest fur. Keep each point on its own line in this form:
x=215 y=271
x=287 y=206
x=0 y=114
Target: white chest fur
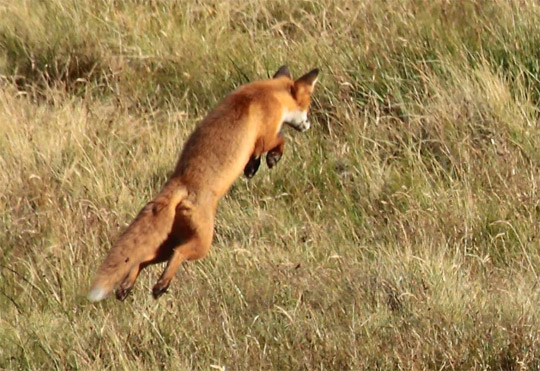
x=296 y=119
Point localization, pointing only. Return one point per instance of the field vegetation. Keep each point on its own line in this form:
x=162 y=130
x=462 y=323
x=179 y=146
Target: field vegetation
x=401 y=232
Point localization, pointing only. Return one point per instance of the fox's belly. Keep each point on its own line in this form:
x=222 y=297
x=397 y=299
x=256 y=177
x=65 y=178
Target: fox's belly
x=229 y=171
x=213 y=170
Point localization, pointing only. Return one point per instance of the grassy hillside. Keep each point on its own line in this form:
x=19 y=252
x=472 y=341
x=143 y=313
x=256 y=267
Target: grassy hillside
x=400 y=232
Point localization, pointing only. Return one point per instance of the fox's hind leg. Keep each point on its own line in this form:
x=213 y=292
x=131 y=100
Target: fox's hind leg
x=198 y=231
x=126 y=286
x=163 y=253
x=196 y=248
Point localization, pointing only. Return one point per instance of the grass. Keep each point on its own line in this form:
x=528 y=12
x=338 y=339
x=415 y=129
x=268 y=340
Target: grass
x=400 y=232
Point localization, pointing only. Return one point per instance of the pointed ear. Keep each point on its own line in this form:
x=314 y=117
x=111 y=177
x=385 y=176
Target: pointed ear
x=309 y=78
x=283 y=71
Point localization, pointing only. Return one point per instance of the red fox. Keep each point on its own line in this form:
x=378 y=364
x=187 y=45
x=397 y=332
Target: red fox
x=178 y=225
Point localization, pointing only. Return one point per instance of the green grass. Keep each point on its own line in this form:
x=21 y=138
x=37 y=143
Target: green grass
x=400 y=232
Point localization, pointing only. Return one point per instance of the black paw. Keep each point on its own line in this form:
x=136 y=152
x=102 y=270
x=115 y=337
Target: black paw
x=252 y=167
x=122 y=293
x=272 y=158
x=159 y=289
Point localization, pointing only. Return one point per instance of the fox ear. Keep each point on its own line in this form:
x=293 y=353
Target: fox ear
x=309 y=78
x=283 y=71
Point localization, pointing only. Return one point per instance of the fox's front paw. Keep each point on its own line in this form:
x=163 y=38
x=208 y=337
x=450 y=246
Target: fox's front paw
x=272 y=158
x=252 y=167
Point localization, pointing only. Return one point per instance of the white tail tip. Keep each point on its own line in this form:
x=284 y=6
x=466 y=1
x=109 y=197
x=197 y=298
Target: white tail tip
x=97 y=294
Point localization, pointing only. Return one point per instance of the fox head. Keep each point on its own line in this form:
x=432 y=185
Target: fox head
x=301 y=90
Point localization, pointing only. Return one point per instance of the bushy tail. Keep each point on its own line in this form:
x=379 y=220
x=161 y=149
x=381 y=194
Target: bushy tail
x=144 y=236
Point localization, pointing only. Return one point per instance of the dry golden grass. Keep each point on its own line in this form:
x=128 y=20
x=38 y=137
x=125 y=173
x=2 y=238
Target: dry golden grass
x=400 y=232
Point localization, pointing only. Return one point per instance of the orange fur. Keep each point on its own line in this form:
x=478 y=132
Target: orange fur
x=178 y=225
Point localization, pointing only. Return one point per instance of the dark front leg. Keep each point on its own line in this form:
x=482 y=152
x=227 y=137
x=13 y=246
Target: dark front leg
x=274 y=155
x=272 y=158
x=252 y=166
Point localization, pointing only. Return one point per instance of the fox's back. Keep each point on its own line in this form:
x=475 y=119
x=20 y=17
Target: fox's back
x=221 y=145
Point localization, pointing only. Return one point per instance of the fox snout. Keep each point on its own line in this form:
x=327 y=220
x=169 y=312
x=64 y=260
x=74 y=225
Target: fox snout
x=303 y=126
x=297 y=120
